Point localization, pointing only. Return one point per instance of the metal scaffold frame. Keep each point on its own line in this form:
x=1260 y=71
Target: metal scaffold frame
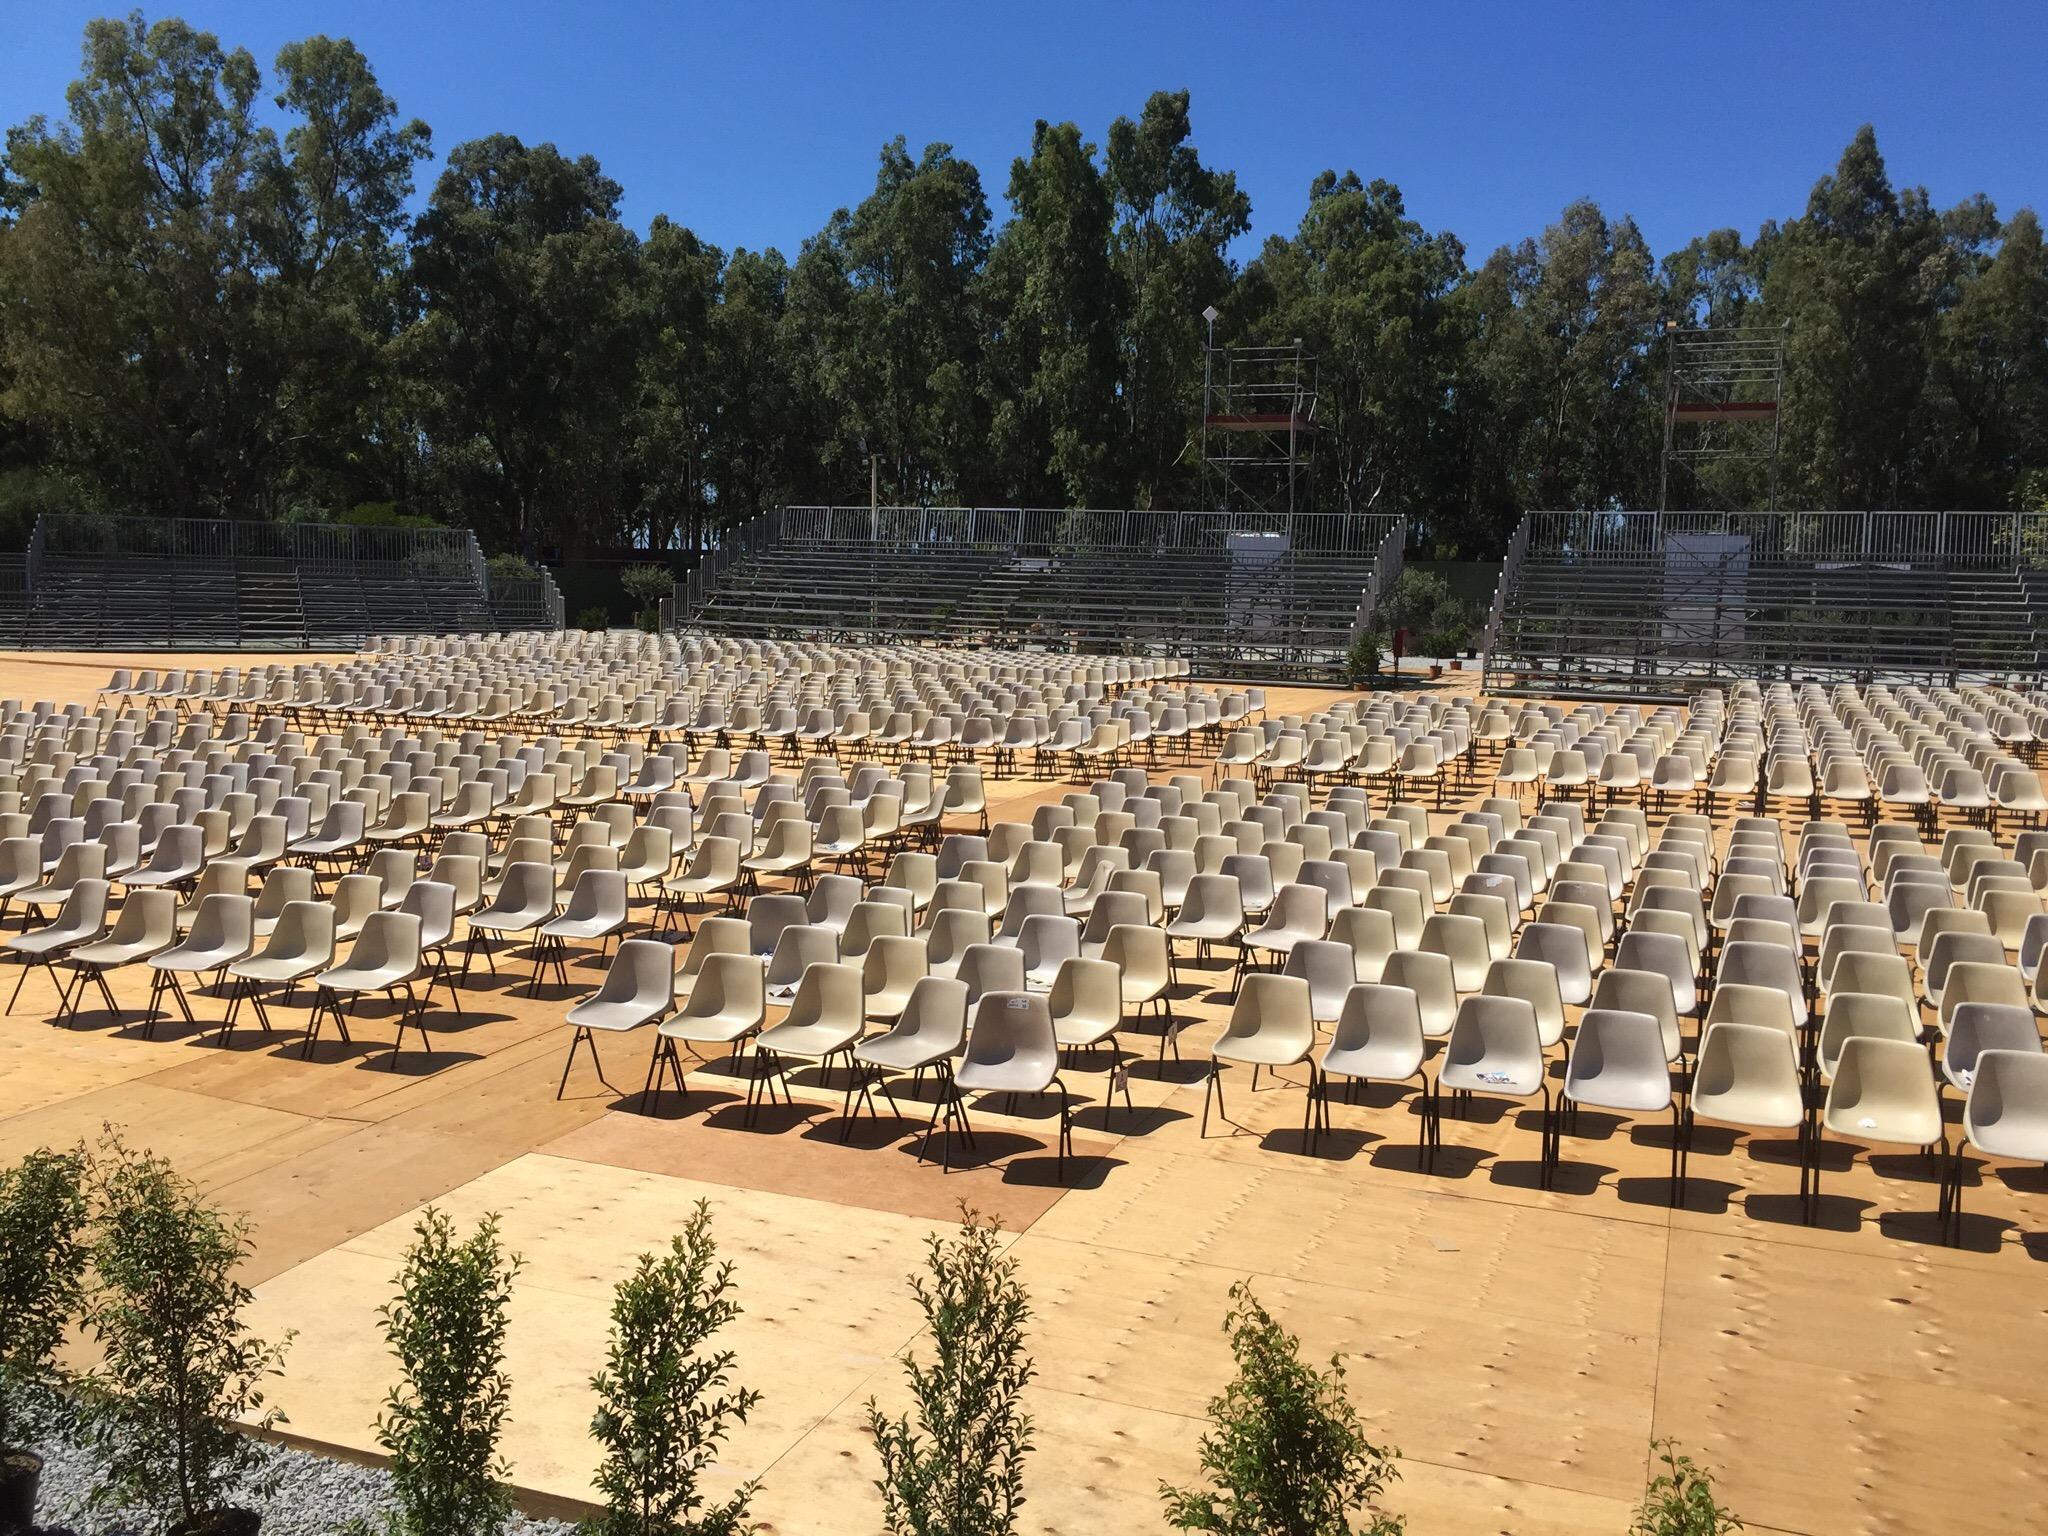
x=1258 y=427
x=1724 y=391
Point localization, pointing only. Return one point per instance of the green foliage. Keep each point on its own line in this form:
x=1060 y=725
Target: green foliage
x=1679 y=1500
x=955 y=1466
x=510 y=567
x=441 y=1422
x=177 y=1371
x=1286 y=1454
x=663 y=1409
x=43 y=1211
x=1439 y=623
x=1362 y=662
x=596 y=616
x=214 y=303
x=647 y=584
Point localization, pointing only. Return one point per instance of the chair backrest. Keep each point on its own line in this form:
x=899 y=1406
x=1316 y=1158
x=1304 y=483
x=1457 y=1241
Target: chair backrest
x=642 y=972
x=389 y=942
x=1013 y=1028
x=991 y=968
x=304 y=932
x=935 y=1014
x=1272 y=1008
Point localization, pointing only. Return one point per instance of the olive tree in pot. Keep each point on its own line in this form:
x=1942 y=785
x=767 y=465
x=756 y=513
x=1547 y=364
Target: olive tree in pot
x=42 y=1271
x=179 y=1374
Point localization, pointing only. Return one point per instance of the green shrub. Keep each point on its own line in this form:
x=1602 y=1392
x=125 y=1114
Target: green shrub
x=663 y=1410
x=178 y=1371
x=1286 y=1451
x=1362 y=665
x=43 y=1211
x=594 y=617
x=441 y=1423
x=1680 y=1500
x=960 y=1470
x=510 y=567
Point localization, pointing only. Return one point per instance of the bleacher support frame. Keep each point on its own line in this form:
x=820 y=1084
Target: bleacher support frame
x=1196 y=584
x=1660 y=602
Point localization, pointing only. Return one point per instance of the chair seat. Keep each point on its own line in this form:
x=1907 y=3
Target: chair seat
x=279 y=969
x=1379 y=1059
x=348 y=978
x=1260 y=1050
x=894 y=1055
x=186 y=957
x=717 y=1029
x=812 y=1041
x=1014 y=1076
x=616 y=1017
x=1485 y=1077
x=108 y=953
x=584 y=928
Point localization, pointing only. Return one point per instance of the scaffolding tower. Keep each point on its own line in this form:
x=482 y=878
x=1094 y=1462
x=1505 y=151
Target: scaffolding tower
x=1723 y=392
x=1258 y=428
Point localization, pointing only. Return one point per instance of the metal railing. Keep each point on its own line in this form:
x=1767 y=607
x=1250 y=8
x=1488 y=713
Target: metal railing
x=526 y=602
x=1386 y=571
x=227 y=541
x=732 y=543
x=2014 y=540
x=1510 y=567
x=1047 y=530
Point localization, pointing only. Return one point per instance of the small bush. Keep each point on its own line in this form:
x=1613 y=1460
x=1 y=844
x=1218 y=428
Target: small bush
x=663 y=1410
x=1680 y=1500
x=510 y=567
x=43 y=1212
x=1286 y=1452
x=960 y=1470
x=441 y=1423
x=178 y=1371
x=1362 y=665
x=594 y=617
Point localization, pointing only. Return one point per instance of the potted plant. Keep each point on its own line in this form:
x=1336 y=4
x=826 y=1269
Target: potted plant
x=180 y=1375
x=42 y=1270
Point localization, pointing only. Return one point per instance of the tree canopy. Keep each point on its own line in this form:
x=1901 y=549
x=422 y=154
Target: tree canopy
x=222 y=295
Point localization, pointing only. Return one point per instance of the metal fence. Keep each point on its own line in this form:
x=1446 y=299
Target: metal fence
x=1049 y=529
x=222 y=541
x=1947 y=539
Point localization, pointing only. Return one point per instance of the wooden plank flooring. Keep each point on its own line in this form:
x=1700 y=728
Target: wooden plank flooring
x=1520 y=1347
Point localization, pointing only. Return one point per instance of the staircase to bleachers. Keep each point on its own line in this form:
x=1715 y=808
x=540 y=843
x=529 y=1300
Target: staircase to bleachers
x=267 y=603
x=1639 y=603
x=1282 y=599
x=1996 y=633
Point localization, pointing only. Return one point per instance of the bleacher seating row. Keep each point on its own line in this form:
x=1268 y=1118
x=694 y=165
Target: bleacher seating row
x=132 y=584
x=1597 y=621
x=1290 y=614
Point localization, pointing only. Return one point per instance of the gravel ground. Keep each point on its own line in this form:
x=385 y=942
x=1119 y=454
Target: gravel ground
x=315 y=1496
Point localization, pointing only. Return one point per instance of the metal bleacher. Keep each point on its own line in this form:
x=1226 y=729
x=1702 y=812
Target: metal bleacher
x=1660 y=602
x=208 y=583
x=1271 y=595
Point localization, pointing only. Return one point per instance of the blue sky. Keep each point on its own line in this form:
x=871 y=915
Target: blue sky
x=750 y=123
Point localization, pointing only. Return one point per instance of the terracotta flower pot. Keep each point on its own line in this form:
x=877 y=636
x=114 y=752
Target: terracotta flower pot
x=20 y=1474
